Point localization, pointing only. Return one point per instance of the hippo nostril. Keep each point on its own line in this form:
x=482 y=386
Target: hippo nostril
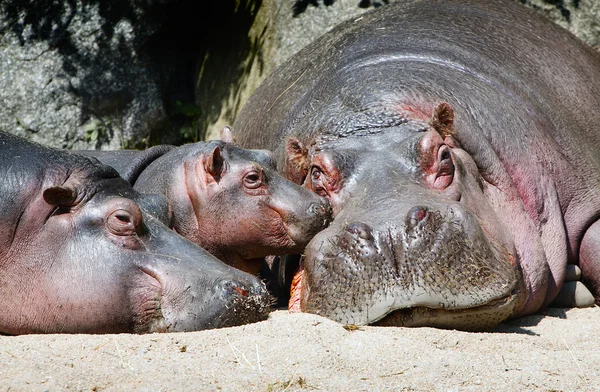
x=240 y=291
x=319 y=209
x=416 y=215
x=360 y=229
x=232 y=287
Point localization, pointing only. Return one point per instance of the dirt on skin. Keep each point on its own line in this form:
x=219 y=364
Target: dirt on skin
x=557 y=350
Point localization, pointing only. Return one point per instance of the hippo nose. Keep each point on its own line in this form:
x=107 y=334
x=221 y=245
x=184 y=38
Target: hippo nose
x=361 y=230
x=416 y=215
x=319 y=208
x=239 y=289
x=322 y=211
x=235 y=288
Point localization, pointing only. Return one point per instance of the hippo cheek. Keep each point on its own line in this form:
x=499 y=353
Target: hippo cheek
x=260 y=236
x=438 y=268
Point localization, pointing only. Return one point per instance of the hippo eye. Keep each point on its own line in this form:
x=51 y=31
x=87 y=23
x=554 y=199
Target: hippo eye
x=121 y=222
x=252 y=180
x=316 y=174
x=317 y=186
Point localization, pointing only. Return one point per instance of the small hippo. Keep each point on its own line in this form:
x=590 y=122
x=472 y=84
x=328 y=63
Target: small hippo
x=79 y=253
x=229 y=200
x=457 y=141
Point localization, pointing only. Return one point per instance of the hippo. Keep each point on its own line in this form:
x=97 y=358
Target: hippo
x=229 y=200
x=457 y=142
x=80 y=253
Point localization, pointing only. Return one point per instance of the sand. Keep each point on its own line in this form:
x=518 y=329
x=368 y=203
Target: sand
x=555 y=350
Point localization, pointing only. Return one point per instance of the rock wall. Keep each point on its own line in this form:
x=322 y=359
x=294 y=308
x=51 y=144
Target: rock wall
x=131 y=73
x=73 y=75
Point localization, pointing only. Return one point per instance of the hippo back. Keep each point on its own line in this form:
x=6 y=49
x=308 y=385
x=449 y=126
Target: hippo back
x=456 y=50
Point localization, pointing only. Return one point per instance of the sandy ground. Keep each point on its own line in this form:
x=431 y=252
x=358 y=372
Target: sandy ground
x=556 y=350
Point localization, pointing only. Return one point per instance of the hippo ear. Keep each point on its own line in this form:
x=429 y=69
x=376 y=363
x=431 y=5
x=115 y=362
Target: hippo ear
x=442 y=119
x=214 y=163
x=60 y=196
x=297 y=161
x=227 y=134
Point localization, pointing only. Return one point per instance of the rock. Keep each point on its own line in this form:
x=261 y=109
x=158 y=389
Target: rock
x=573 y=273
x=74 y=74
x=573 y=295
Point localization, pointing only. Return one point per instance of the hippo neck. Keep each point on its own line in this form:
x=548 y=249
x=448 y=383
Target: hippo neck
x=230 y=257
x=530 y=201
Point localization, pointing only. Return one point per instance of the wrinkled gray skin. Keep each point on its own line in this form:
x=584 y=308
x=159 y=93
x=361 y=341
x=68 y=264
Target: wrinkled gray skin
x=229 y=200
x=457 y=142
x=79 y=253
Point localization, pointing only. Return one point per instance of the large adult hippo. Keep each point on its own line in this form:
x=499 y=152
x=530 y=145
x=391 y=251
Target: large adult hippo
x=80 y=254
x=229 y=200
x=457 y=142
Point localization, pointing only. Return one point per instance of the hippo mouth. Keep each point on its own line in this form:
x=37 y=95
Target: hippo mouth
x=478 y=318
x=437 y=270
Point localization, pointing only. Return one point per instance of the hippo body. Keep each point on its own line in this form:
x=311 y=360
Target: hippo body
x=457 y=142
x=229 y=200
x=79 y=253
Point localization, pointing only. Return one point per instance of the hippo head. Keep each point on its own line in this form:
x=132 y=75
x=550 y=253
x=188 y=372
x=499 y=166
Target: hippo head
x=82 y=251
x=232 y=202
x=414 y=241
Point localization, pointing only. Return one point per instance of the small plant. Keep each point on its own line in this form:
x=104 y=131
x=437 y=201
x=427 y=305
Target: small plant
x=95 y=130
x=189 y=132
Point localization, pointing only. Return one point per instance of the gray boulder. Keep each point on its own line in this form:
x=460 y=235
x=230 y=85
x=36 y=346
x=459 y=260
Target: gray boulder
x=72 y=73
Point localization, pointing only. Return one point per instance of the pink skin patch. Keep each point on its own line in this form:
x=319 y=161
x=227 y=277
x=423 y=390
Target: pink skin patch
x=420 y=214
x=416 y=111
x=296 y=291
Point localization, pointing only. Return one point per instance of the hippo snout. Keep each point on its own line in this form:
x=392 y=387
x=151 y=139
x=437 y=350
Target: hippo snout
x=247 y=301
x=304 y=222
x=434 y=256
x=321 y=210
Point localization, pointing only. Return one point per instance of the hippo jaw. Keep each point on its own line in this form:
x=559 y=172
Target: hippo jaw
x=438 y=269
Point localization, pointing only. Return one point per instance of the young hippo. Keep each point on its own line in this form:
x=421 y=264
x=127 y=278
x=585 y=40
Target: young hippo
x=229 y=200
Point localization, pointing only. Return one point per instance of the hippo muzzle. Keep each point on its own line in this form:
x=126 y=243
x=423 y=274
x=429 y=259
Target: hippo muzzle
x=437 y=263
